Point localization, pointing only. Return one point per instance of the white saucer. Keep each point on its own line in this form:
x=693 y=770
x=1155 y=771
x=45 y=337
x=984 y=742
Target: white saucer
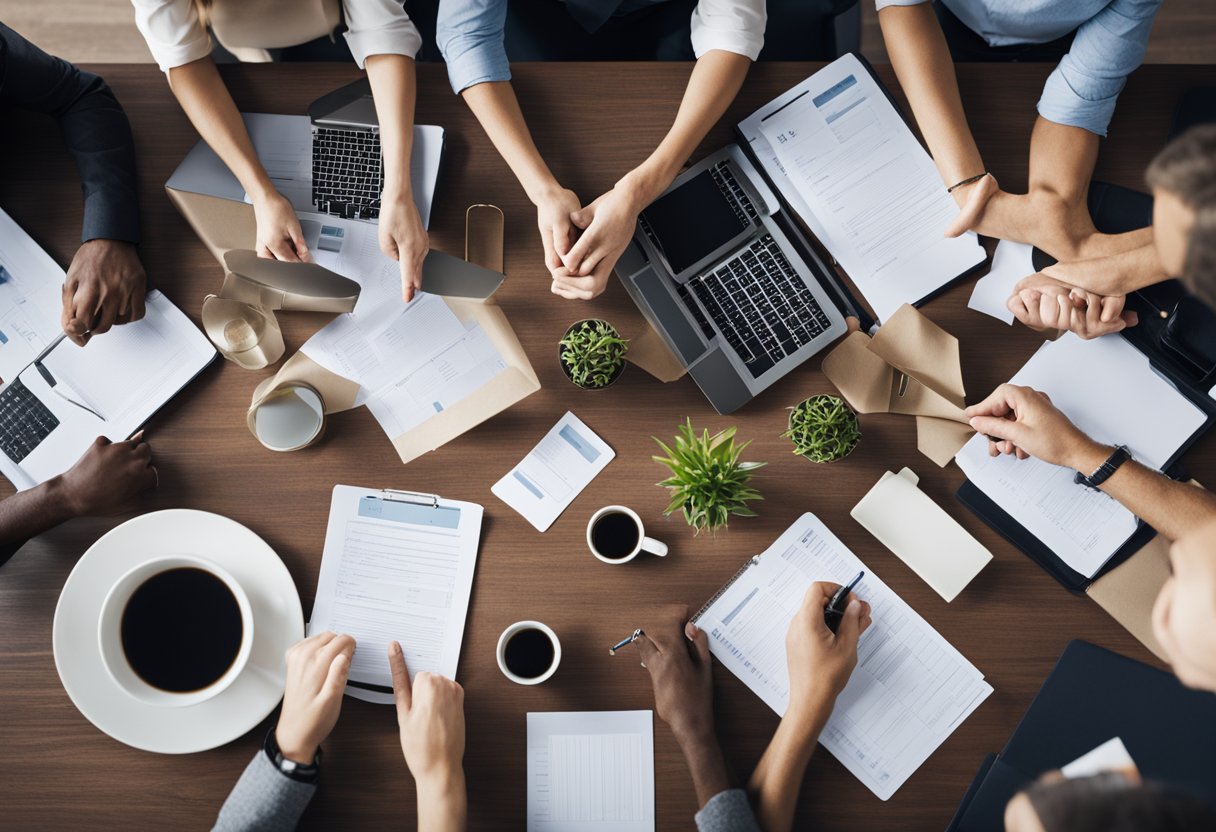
x=278 y=623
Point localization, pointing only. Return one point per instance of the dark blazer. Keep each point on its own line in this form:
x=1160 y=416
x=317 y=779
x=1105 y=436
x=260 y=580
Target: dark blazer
x=94 y=126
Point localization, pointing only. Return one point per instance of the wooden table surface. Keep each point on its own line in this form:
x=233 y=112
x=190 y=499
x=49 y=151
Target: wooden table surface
x=592 y=123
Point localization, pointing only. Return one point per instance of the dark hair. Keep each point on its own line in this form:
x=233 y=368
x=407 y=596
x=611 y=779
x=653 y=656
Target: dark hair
x=1106 y=803
x=1187 y=169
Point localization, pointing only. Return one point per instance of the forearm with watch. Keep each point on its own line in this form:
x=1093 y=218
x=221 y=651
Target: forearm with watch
x=273 y=791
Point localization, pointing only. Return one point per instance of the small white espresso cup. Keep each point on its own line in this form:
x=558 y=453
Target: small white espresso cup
x=109 y=632
x=510 y=632
x=643 y=544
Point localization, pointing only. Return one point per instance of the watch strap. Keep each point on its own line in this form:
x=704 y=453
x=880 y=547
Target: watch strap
x=300 y=772
x=1118 y=456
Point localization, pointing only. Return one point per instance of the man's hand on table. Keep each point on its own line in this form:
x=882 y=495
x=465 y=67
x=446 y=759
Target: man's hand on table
x=1019 y=420
x=317 y=668
x=1042 y=302
x=107 y=475
x=104 y=287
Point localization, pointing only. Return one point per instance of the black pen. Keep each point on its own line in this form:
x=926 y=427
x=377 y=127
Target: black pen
x=832 y=614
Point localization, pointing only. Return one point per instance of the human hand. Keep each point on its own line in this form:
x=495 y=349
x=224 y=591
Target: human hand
x=608 y=225
x=972 y=200
x=105 y=285
x=1043 y=302
x=557 y=232
x=1022 y=421
x=107 y=475
x=317 y=668
x=820 y=661
x=403 y=238
x=278 y=233
x=676 y=654
x=430 y=714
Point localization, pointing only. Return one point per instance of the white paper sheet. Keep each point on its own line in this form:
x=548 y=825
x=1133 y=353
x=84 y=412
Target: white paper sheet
x=396 y=570
x=1010 y=263
x=30 y=298
x=865 y=186
x=1108 y=389
x=1111 y=755
x=911 y=689
x=591 y=771
x=553 y=473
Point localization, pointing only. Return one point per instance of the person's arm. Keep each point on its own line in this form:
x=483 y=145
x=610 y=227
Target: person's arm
x=265 y=799
x=609 y=221
x=101 y=481
x=820 y=664
x=430 y=715
x=106 y=282
x=1121 y=272
x=1025 y=422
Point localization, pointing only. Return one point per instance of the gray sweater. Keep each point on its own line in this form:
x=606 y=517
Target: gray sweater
x=727 y=811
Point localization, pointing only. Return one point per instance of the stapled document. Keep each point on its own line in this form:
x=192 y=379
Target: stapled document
x=921 y=534
x=1010 y=263
x=591 y=771
x=553 y=473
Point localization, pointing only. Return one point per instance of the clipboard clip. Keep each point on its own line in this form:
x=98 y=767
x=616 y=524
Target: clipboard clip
x=417 y=498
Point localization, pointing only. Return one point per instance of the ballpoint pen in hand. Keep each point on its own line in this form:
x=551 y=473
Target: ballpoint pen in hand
x=626 y=641
x=833 y=613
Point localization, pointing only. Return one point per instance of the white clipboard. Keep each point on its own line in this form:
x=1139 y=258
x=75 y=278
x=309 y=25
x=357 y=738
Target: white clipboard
x=397 y=565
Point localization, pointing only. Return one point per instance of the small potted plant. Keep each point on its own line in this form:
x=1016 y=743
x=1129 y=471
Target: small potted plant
x=592 y=353
x=823 y=429
x=708 y=481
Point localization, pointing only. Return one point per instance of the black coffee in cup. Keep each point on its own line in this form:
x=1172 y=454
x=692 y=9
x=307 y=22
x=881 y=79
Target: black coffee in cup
x=615 y=535
x=529 y=653
x=182 y=630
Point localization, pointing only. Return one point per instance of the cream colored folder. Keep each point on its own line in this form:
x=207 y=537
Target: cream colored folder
x=921 y=534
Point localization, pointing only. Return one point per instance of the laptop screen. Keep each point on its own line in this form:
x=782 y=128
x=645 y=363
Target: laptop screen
x=692 y=221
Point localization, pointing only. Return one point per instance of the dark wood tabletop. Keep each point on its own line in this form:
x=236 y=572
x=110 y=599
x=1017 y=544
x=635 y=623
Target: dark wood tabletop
x=592 y=123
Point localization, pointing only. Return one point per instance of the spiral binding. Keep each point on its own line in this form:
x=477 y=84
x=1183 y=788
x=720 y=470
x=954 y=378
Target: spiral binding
x=752 y=561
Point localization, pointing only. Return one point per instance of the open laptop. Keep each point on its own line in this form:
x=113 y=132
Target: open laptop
x=347 y=171
x=715 y=268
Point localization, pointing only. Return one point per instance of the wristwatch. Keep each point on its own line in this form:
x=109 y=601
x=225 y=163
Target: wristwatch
x=1118 y=456
x=299 y=772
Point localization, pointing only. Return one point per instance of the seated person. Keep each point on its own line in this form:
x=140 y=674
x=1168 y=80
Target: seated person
x=820 y=662
x=1087 y=296
x=280 y=780
x=1098 y=43
x=727 y=36
x=380 y=36
x=105 y=282
x=1108 y=802
x=101 y=482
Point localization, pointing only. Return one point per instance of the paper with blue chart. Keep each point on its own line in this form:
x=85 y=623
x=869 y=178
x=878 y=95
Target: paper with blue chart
x=553 y=473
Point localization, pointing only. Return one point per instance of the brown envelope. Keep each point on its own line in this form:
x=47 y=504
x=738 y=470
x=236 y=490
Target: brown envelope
x=910 y=367
x=1129 y=591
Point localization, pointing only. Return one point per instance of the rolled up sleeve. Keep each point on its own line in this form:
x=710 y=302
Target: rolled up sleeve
x=172 y=30
x=730 y=25
x=470 y=36
x=379 y=27
x=1108 y=47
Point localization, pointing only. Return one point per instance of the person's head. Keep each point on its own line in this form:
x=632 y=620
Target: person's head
x=1107 y=802
x=1183 y=179
x=1184 y=618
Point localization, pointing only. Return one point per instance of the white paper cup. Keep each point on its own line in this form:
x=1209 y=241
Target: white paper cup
x=644 y=544
x=502 y=647
x=109 y=632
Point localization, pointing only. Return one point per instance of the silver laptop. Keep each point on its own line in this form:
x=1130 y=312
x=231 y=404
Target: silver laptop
x=713 y=267
x=347 y=171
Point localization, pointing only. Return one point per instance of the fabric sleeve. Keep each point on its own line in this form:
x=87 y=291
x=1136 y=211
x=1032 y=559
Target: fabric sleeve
x=264 y=799
x=727 y=811
x=730 y=25
x=173 y=31
x=95 y=130
x=1082 y=90
x=879 y=5
x=379 y=27
x=470 y=35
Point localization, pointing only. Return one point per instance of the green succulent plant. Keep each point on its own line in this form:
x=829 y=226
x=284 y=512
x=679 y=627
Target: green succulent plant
x=823 y=429
x=708 y=482
x=592 y=352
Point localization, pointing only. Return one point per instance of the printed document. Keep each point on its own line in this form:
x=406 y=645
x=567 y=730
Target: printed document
x=591 y=771
x=1108 y=389
x=553 y=473
x=396 y=567
x=911 y=689
x=863 y=184
x=1010 y=263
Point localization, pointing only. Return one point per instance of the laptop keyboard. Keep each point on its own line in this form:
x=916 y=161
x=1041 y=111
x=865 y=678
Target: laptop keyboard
x=738 y=197
x=762 y=307
x=347 y=172
x=24 y=421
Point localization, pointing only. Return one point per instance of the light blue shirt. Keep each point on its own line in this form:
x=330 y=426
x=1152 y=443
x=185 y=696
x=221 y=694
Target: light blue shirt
x=470 y=34
x=1109 y=45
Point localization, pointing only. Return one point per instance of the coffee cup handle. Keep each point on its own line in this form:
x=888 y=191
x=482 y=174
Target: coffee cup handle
x=649 y=544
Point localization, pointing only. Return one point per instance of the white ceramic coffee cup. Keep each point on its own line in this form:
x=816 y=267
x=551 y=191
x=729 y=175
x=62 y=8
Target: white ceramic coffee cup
x=502 y=647
x=109 y=632
x=644 y=544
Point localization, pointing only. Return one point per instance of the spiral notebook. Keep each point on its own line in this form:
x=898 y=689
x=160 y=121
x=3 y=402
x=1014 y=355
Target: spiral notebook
x=911 y=689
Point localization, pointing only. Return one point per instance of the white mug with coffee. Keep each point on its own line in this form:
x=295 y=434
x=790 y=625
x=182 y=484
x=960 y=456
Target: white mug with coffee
x=615 y=535
x=175 y=631
x=528 y=652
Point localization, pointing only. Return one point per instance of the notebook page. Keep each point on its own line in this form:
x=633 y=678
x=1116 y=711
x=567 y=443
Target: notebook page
x=910 y=689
